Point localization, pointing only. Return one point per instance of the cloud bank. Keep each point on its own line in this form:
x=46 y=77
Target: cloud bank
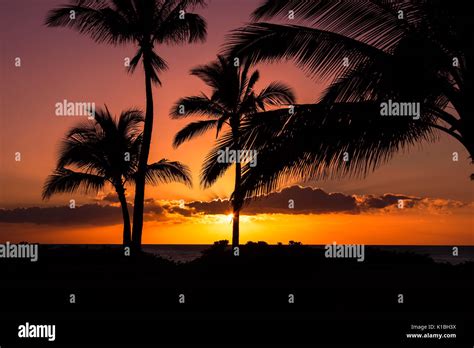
x=291 y=200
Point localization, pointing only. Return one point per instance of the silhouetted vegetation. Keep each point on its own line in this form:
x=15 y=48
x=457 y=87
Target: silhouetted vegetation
x=375 y=51
x=146 y=24
x=106 y=151
x=233 y=103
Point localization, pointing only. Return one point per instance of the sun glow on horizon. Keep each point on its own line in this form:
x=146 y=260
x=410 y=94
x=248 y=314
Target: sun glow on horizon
x=228 y=218
x=380 y=229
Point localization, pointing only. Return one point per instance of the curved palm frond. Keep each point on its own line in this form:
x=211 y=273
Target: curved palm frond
x=165 y=172
x=174 y=30
x=211 y=74
x=276 y=93
x=66 y=181
x=316 y=140
x=196 y=105
x=247 y=84
x=104 y=122
x=315 y=51
x=83 y=153
x=93 y=18
x=157 y=65
x=130 y=122
x=376 y=21
x=403 y=75
x=192 y=130
x=212 y=168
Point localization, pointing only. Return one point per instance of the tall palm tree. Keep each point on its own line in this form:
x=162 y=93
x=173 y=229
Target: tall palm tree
x=409 y=51
x=232 y=103
x=106 y=151
x=145 y=23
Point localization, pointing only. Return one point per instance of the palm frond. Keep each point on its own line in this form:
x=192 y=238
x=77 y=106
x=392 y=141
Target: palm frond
x=276 y=93
x=93 y=18
x=158 y=65
x=196 y=106
x=315 y=51
x=249 y=83
x=85 y=154
x=192 y=130
x=104 y=121
x=67 y=181
x=174 y=30
x=212 y=169
x=165 y=171
x=104 y=146
x=130 y=122
x=375 y=22
x=134 y=61
x=314 y=143
x=211 y=73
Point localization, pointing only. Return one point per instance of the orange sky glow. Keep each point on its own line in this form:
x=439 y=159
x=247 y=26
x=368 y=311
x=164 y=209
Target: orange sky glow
x=390 y=227
x=60 y=64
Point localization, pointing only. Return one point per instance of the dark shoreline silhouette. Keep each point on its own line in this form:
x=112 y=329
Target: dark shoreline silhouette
x=113 y=289
x=218 y=263
x=190 y=252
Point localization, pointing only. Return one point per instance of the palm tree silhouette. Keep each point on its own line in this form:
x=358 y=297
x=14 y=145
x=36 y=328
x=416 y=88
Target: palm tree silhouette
x=106 y=151
x=233 y=103
x=145 y=23
x=408 y=51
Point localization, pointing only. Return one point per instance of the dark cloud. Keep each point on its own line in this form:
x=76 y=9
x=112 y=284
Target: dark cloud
x=176 y=209
x=111 y=197
x=217 y=206
x=153 y=207
x=156 y=210
x=292 y=200
x=89 y=214
x=305 y=200
x=380 y=202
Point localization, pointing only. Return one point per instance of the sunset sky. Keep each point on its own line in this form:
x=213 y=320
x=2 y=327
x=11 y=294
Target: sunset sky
x=58 y=64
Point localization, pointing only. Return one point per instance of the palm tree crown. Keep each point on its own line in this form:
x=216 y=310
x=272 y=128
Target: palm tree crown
x=101 y=151
x=146 y=23
x=407 y=51
x=106 y=151
x=233 y=102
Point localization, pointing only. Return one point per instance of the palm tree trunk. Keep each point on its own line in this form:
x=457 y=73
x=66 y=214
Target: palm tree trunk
x=143 y=160
x=236 y=202
x=236 y=206
x=126 y=216
x=235 y=229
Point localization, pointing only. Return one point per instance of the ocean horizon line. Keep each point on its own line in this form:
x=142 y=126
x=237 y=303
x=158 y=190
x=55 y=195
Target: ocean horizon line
x=270 y=244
